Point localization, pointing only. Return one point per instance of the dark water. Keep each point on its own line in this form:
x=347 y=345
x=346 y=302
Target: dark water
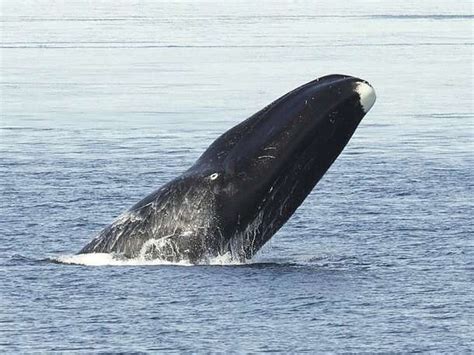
x=103 y=103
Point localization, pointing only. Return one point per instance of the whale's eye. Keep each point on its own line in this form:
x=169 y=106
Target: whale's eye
x=213 y=176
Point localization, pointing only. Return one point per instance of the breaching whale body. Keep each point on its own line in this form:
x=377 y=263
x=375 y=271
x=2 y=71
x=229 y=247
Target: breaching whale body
x=249 y=181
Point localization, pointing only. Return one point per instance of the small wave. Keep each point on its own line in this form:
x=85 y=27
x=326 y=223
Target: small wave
x=423 y=17
x=17 y=259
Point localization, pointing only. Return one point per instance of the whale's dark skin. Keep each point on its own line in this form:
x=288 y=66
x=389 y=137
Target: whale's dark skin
x=248 y=183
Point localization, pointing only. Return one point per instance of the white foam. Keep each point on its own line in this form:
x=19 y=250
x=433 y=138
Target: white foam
x=105 y=259
x=225 y=259
x=367 y=95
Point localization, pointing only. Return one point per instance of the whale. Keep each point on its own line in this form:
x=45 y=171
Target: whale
x=247 y=183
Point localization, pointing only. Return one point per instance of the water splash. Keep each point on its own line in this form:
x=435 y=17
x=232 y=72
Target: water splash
x=106 y=259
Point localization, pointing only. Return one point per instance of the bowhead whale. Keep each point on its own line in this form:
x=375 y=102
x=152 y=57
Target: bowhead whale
x=249 y=181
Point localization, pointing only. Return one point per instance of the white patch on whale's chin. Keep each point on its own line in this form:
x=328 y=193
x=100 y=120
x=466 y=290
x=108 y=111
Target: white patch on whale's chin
x=367 y=96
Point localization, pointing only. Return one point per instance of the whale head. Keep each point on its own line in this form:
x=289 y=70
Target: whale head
x=248 y=183
x=261 y=170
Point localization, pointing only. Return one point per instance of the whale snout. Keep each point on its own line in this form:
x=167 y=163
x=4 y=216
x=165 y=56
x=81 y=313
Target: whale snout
x=366 y=95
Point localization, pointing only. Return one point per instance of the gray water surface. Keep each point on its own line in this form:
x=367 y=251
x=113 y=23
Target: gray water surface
x=103 y=102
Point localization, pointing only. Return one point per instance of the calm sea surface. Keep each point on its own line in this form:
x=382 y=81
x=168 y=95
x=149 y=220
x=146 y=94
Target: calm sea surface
x=102 y=102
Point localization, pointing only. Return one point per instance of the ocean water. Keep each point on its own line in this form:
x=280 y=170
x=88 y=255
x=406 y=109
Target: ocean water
x=103 y=102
